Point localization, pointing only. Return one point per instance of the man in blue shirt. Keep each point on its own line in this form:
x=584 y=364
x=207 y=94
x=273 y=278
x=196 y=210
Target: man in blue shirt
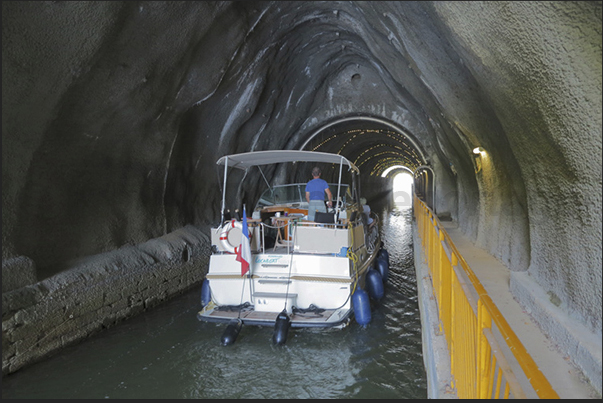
x=315 y=190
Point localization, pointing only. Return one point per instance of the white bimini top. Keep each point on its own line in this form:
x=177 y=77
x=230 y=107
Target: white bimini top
x=250 y=159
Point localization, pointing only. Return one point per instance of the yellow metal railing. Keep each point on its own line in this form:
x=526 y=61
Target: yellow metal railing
x=467 y=314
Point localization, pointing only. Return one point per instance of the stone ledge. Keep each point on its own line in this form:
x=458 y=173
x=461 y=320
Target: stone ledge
x=97 y=292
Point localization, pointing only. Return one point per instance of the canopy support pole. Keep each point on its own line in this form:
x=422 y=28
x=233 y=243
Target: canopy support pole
x=224 y=191
x=338 y=186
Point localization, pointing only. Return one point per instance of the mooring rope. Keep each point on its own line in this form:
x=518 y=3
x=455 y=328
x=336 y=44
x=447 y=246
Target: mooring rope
x=290 y=267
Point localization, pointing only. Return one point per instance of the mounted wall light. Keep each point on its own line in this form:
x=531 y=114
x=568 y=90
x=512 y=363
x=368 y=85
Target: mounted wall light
x=479 y=152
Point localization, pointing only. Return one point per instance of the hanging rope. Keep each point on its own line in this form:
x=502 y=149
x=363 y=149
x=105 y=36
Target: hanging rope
x=290 y=267
x=241 y=305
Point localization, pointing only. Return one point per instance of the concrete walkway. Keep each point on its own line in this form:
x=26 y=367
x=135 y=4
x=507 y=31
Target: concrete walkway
x=436 y=356
x=566 y=379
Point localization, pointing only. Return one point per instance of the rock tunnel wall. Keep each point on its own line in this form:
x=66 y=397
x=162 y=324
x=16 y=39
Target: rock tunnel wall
x=114 y=113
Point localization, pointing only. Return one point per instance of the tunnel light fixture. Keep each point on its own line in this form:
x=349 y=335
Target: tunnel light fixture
x=479 y=153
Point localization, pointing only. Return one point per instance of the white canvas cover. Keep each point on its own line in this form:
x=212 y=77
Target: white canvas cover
x=250 y=159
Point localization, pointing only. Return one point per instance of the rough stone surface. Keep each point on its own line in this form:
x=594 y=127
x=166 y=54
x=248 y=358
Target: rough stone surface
x=571 y=336
x=114 y=113
x=544 y=82
x=17 y=272
x=98 y=292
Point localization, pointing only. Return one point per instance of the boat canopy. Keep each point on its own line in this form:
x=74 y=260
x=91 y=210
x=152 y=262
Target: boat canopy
x=250 y=159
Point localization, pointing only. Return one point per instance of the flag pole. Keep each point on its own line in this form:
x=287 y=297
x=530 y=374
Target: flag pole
x=248 y=271
x=224 y=191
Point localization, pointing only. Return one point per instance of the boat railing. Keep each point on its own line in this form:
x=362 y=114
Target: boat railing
x=301 y=236
x=474 y=328
x=297 y=235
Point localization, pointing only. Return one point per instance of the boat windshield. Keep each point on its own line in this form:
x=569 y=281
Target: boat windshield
x=295 y=195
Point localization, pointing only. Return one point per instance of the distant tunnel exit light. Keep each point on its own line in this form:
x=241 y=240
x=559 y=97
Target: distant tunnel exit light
x=402 y=190
x=388 y=170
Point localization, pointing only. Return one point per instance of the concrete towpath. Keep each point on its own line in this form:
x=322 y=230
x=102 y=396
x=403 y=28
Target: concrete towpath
x=567 y=380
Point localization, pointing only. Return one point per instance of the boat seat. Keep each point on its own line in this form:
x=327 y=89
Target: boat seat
x=324 y=218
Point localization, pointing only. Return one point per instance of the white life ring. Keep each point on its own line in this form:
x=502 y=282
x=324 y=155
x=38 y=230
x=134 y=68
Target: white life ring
x=224 y=235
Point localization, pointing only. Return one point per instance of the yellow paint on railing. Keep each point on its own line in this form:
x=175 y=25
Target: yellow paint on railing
x=467 y=323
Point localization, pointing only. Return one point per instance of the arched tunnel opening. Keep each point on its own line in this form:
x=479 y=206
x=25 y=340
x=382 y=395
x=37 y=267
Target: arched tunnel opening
x=372 y=144
x=115 y=113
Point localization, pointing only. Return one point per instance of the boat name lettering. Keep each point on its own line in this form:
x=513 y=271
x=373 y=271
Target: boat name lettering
x=269 y=259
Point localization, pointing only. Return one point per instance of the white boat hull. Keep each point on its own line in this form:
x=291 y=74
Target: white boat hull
x=315 y=290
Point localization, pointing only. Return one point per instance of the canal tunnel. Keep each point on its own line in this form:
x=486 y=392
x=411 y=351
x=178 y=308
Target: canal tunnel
x=114 y=114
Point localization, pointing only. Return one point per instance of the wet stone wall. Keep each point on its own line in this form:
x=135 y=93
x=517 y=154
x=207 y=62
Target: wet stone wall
x=102 y=290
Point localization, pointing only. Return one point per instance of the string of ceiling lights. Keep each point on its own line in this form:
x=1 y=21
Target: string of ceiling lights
x=396 y=149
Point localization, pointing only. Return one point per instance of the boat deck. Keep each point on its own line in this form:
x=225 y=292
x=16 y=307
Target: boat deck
x=299 y=318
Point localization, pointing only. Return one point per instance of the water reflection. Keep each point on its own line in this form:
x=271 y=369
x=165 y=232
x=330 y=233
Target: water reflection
x=167 y=353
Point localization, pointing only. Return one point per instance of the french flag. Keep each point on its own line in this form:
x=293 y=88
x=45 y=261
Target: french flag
x=244 y=251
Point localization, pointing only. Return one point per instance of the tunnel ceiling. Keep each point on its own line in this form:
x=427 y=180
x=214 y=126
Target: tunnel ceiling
x=371 y=145
x=114 y=114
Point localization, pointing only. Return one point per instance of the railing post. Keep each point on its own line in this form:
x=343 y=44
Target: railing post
x=445 y=283
x=484 y=321
x=453 y=312
x=432 y=238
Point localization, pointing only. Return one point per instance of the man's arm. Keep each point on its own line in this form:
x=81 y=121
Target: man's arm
x=308 y=197
x=329 y=195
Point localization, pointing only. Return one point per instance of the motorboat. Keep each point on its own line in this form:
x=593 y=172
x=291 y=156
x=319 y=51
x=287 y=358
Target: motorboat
x=277 y=268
